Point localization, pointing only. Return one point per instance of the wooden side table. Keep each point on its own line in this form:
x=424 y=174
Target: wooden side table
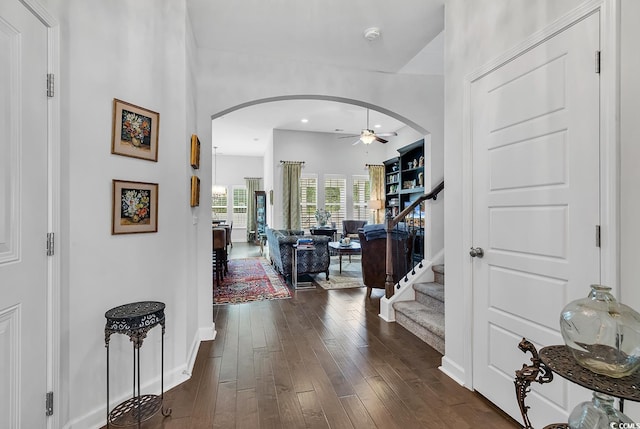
x=135 y=320
x=327 y=231
x=352 y=249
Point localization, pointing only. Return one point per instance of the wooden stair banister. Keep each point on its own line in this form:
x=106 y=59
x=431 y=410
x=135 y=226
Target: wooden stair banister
x=392 y=222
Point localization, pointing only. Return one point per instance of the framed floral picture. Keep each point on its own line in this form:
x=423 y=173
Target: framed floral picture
x=195 y=191
x=195 y=152
x=135 y=207
x=135 y=131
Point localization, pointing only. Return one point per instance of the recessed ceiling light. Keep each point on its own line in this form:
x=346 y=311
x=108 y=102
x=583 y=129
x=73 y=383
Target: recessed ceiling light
x=377 y=126
x=337 y=130
x=304 y=120
x=371 y=33
x=255 y=139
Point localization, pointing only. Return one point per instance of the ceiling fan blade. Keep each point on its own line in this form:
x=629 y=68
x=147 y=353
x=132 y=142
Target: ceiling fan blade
x=350 y=136
x=356 y=142
x=387 y=134
x=381 y=140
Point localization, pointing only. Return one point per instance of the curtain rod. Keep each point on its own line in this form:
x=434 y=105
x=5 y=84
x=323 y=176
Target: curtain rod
x=291 y=162
x=253 y=178
x=374 y=165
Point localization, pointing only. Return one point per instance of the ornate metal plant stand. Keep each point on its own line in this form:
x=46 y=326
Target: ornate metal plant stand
x=559 y=359
x=135 y=320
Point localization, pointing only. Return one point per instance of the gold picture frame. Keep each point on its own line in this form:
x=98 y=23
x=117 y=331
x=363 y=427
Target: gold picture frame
x=134 y=207
x=195 y=191
x=195 y=152
x=135 y=131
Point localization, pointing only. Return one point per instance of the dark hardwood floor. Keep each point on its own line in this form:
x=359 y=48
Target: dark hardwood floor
x=322 y=359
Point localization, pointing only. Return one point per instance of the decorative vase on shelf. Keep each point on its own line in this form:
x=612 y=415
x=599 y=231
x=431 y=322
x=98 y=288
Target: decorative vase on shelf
x=602 y=334
x=598 y=413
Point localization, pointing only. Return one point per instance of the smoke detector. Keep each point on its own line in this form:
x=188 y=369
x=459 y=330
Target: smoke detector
x=371 y=33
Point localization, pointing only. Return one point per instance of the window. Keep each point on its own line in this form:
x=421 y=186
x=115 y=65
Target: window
x=219 y=206
x=308 y=201
x=361 y=196
x=335 y=198
x=240 y=206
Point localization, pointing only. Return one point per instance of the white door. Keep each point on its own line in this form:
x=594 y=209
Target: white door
x=535 y=144
x=23 y=217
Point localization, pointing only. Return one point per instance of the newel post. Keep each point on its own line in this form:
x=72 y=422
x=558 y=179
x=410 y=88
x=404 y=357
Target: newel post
x=388 y=282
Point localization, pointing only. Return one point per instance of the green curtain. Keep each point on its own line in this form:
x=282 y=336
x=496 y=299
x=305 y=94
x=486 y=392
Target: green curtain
x=291 y=194
x=376 y=182
x=253 y=184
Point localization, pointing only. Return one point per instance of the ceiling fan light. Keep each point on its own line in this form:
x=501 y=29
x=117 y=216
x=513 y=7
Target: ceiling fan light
x=368 y=138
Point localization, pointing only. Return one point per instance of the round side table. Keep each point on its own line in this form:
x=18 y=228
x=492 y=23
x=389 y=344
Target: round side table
x=135 y=320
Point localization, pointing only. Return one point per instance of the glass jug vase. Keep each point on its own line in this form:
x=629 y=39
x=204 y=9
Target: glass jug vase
x=598 y=413
x=602 y=334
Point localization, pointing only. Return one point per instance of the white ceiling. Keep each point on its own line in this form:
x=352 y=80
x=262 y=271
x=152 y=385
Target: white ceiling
x=322 y=31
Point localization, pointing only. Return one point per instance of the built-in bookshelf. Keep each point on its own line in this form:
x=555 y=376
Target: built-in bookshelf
x=404 y=177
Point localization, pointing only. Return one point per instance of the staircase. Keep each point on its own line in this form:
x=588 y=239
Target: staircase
x=424 y=317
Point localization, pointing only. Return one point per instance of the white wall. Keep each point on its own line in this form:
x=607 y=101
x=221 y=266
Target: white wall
x=630 y=157
x=134 y=51
x=323 y=153
x=477 y=32
x=142 y=52
x=228 y=80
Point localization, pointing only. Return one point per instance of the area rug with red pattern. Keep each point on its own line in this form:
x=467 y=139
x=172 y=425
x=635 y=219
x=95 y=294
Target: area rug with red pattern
x=250 y=279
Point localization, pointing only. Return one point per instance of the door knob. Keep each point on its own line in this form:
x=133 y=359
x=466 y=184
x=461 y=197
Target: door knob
x=476 y=252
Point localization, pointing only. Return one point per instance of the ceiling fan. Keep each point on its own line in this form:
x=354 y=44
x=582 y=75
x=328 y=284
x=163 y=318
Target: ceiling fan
x=368 y=136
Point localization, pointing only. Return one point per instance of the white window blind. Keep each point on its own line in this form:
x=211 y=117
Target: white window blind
x=240 y=206
x=335 y=198
x=308 y=200
x=361 y=196
x=219 y=206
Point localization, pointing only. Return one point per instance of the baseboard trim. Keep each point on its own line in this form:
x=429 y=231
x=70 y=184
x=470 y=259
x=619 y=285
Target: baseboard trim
x=453 y=370
x=96 y=418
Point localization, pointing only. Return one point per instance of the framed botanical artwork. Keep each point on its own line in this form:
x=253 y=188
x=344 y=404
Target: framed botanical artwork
x=195 y=151
x=195 y=191
x=135 y=207
x=135 y=131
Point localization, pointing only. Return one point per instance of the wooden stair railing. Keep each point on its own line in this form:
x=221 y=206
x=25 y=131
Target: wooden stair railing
x=411 y=230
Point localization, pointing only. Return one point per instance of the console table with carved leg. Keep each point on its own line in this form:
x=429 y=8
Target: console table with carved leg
x=136 y=320
x=559 y=359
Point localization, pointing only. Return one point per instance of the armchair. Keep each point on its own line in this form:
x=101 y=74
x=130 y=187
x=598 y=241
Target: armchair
x=374 y=251
x=350 y=228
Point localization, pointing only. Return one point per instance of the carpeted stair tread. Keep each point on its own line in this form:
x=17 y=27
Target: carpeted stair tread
x=433 y=321
x=423 y=323
x=433 y=290
x=438 y=273
x=431 y=295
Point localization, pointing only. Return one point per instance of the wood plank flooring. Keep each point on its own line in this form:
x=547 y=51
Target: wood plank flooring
x=322 y=359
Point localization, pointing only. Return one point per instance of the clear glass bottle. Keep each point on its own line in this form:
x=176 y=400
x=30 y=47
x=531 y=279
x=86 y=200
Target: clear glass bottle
x=602 y=334
x=598 y=413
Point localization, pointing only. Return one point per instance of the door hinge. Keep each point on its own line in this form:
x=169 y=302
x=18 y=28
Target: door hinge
x=49 y=404
x=597 y=235
x=597 y=61
x=50 y=85
x=50 y=243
